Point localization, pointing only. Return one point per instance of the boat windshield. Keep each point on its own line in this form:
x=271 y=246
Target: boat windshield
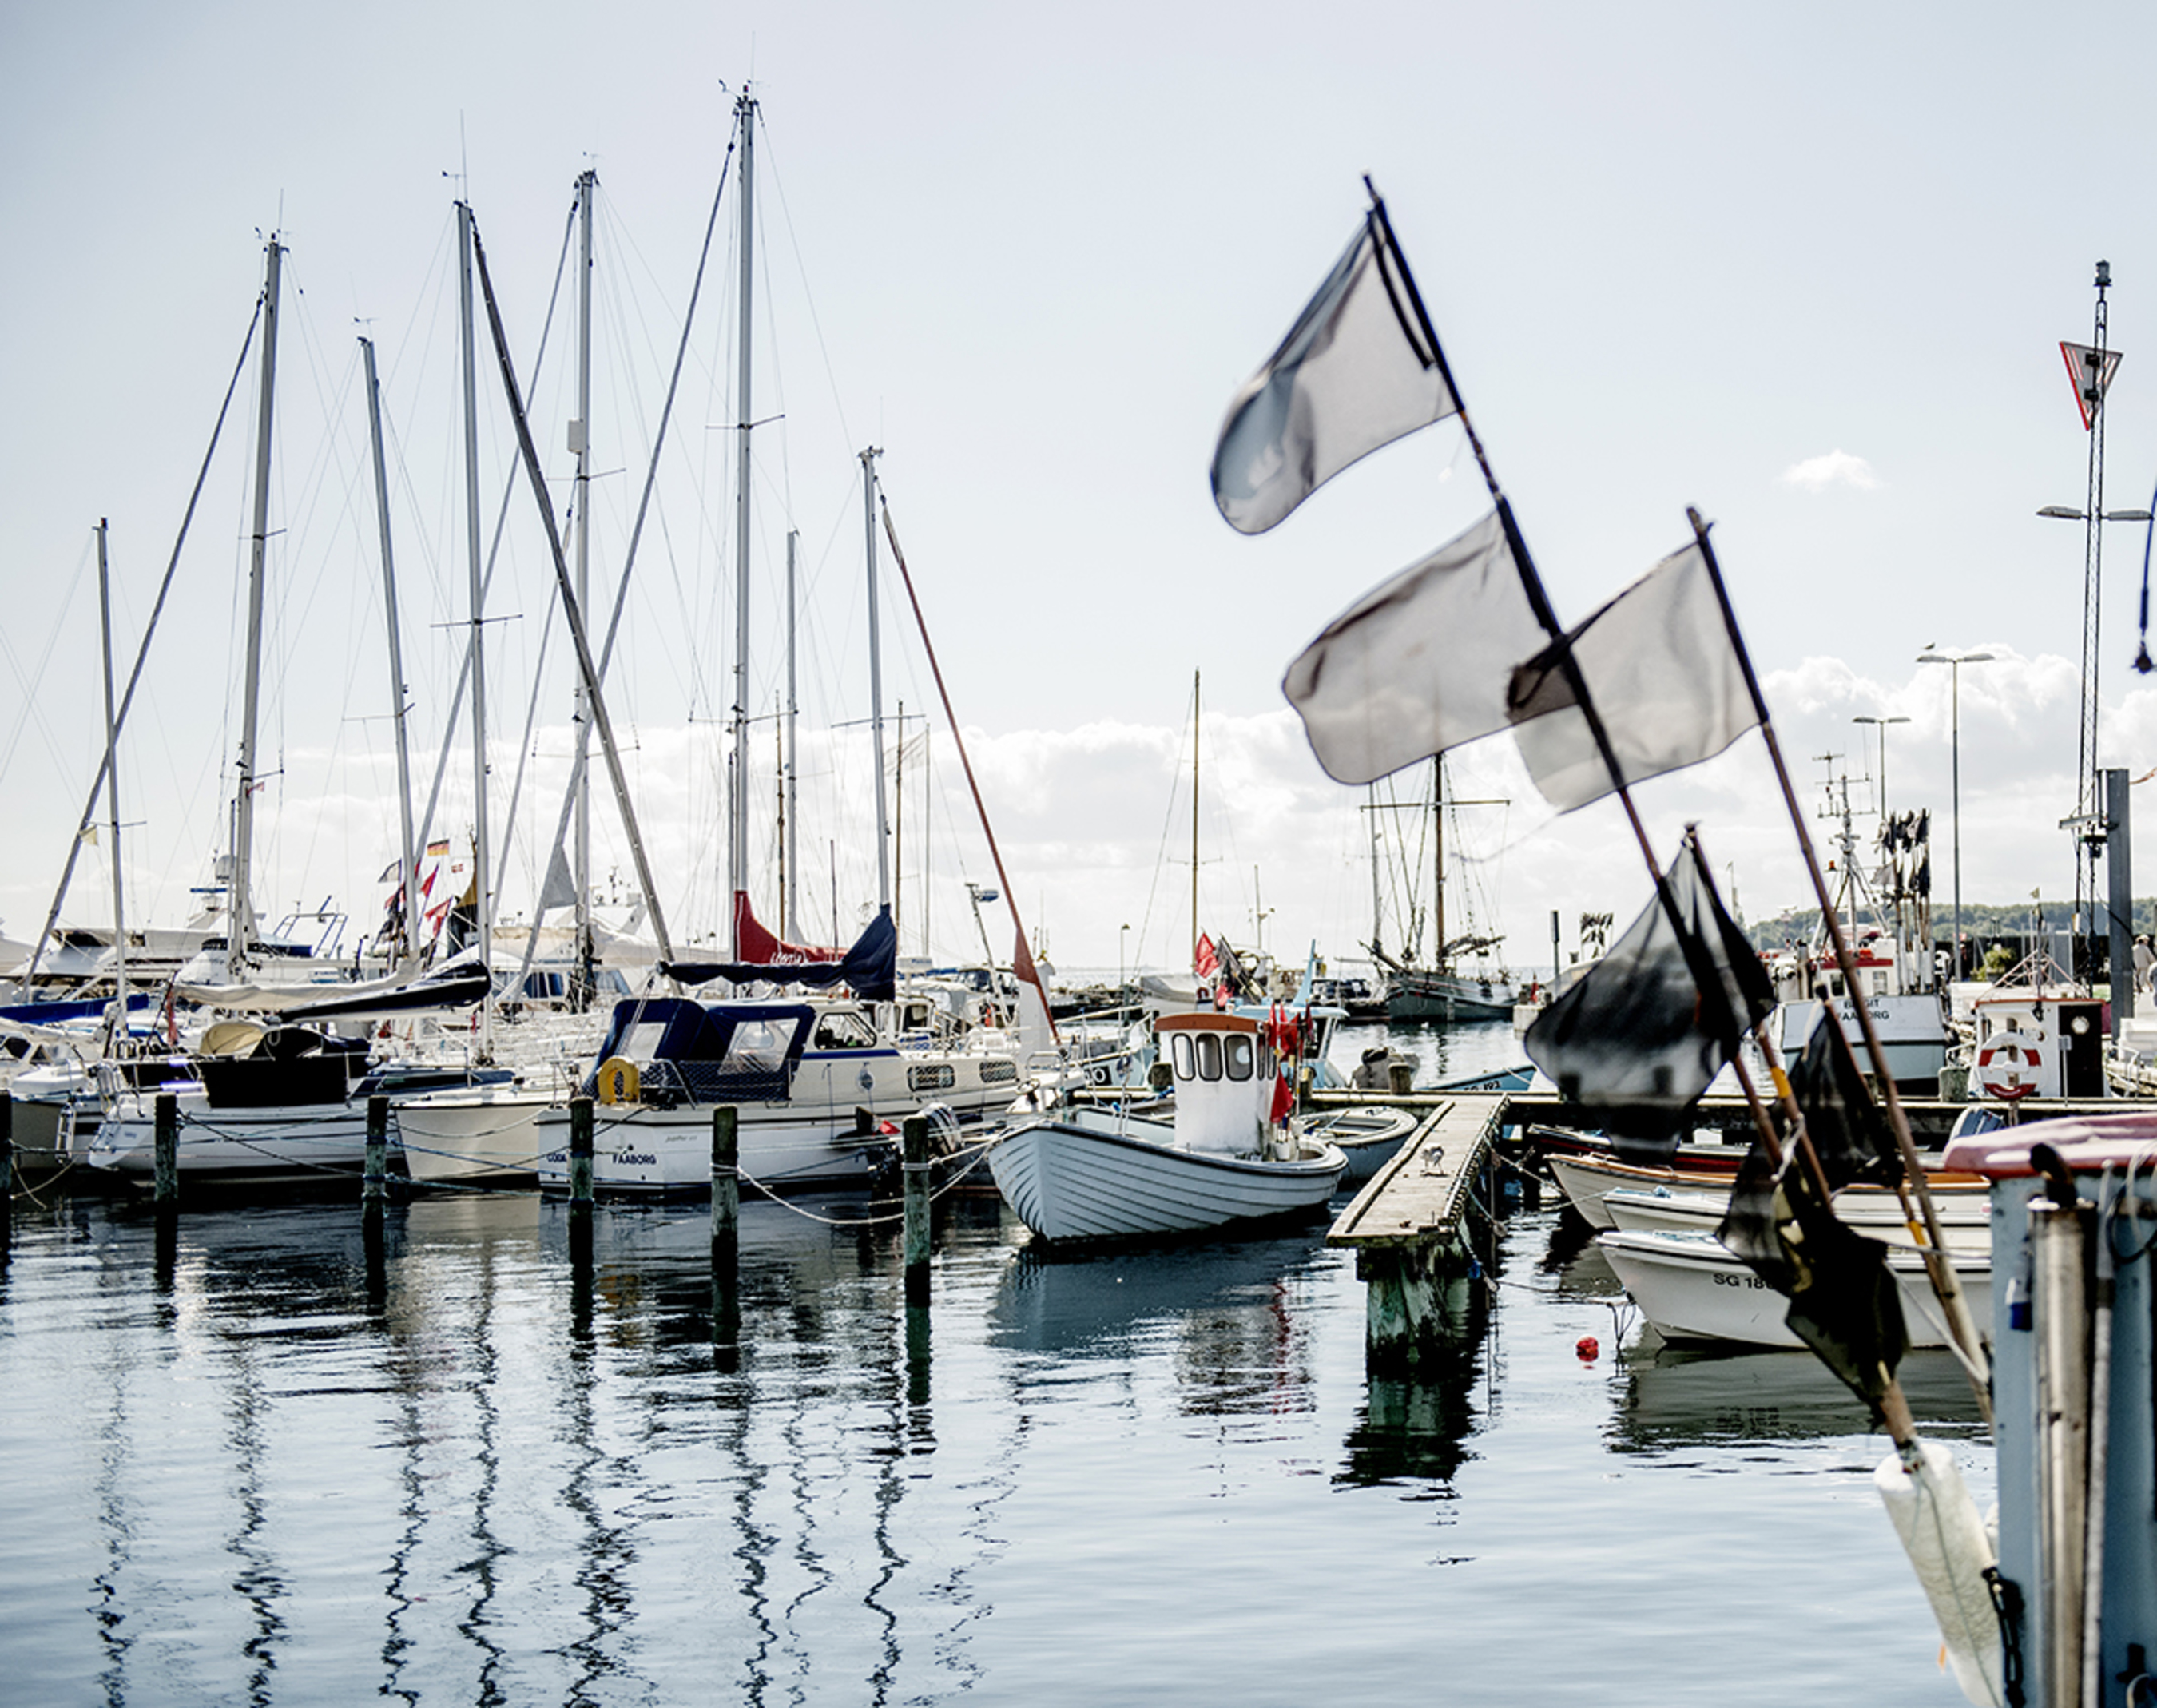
x=641 y=1043
x=758 y=1046
x=1209 y=1056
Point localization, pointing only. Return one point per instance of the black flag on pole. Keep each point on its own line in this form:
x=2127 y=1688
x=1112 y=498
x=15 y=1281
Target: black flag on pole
x=1651 y=1024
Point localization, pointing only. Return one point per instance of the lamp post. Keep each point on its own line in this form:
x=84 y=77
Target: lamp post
x=1882 y=724
x=1955 y=662
x=1123 y=938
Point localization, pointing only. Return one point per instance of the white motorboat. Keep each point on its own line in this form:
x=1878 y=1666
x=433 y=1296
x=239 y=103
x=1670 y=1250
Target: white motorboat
x=1965 y=1213
x=1691 y=1287
x=817 y=1095
x=1082 y=1173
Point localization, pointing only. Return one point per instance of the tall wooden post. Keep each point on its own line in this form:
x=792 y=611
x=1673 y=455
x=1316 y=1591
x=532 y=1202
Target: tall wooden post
x=167 y=1191
x=915 y=1157
x=373 y=1183
x=7 y=1173
x=726 y=1227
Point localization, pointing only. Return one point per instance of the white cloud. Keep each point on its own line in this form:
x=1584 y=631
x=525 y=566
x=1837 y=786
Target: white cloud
x=1834 y=468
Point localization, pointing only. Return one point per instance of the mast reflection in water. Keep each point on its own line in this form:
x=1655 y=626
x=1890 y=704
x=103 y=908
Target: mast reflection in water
x=1139 y=1476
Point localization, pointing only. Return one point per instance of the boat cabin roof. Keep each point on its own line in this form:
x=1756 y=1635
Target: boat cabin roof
x=2085 y=1143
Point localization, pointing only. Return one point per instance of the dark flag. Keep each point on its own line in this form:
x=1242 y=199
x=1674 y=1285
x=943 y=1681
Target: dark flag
x=1849 y=1132
x=1651 y=1024
x=1356 y=371
x=1844 y=1304
x=1664 y=675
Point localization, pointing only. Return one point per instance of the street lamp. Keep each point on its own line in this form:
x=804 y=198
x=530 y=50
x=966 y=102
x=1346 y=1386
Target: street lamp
x=1882 y=724
x=1955 y=662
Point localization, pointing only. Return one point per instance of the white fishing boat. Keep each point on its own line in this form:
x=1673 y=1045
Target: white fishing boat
x=1691 y=1287
x=1965 y=1213
x=1082 y=1173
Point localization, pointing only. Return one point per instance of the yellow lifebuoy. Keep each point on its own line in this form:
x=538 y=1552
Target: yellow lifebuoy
x=618 y=1080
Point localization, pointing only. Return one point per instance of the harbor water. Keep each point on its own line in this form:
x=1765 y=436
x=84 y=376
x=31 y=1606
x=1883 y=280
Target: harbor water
x=260 y=1464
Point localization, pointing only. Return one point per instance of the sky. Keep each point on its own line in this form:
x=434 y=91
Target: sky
x=1807 y=269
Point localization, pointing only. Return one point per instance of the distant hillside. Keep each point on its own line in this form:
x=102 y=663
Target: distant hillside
x=1983 y=922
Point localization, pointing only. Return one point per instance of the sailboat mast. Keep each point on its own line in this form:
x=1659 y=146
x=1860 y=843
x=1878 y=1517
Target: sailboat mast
x=790 y=891
x=112 y=788
x=1194 y=822
x=1377 y=894
x=875 y=678
x=737 y=823
x=581 y=442
x=408 y=851
x=1438 y=859
x=241 y=929
x=482 y=846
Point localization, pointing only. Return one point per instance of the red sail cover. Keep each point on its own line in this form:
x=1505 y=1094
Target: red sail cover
x=757 y=947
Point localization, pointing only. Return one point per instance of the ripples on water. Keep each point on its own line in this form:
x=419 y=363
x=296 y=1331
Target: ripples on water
x=269 y=1472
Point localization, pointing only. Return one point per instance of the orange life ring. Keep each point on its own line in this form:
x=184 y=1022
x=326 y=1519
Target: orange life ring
x=2009 y=1064
x=618 y=1081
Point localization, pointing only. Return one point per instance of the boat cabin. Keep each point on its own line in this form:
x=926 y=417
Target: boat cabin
x=1225 y=1074
x=669 y=1050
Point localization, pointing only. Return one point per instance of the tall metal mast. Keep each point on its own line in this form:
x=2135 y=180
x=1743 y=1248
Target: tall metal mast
x=240 y=929
x=408 y=851
x=876 y=678
x=2089 y=802
x=112 y=790
x=1194 y=822
x=737 y=789
x=789 y=892
x=481 y=855
x=580 y=439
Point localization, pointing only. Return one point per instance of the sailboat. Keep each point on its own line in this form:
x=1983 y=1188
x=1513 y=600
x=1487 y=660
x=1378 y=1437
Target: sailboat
x=1459 y=982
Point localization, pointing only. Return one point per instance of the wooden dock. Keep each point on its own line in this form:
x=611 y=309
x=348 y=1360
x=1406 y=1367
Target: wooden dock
x=1415 y=1231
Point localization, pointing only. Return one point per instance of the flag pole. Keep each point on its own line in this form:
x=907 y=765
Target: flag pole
x=1945 y=1282
x=1389 y=252
x=1893 y=1408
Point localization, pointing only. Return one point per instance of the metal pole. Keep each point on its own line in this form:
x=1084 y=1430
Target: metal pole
x=239 y=905
x=119 y=1029
x=408 y=851
x=789 y=892
x=467 y=336
x=2120 y=898
x=737 y=798
x=581 y=442
x=1954 y=695
x=876 y=678
x=2059 y=1259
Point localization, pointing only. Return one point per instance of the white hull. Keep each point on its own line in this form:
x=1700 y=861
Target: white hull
x=642 y=1149
x=236 y=1146
x=1369 y=1138
x=491 y=1134
x=1690 y=1288
x=1965 y=1216
x=1089 y=1175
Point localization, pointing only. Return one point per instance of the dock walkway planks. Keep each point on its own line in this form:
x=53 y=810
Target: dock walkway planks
x=1415 y=1252
x=1417 y=1197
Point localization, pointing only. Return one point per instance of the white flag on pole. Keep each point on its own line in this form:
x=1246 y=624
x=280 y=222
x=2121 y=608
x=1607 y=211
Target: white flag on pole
x=1355 y=373
x=1663 y=673
x=1421 y=663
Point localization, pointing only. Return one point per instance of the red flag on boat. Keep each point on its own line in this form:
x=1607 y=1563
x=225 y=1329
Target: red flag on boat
x=1283 y=1100
x=1205 y=960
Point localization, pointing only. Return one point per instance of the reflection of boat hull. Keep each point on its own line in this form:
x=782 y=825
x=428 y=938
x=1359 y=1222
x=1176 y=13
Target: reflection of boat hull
x=1421 y=996
x=1690 y=1288
x=1091 y=1175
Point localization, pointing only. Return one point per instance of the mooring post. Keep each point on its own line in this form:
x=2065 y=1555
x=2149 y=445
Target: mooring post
x=726 y=1192
x=913 y=1157
x=7 y=1172
x=1402 y=1076
x=167 y=1118
x=374 y=1183
x=580 y=1156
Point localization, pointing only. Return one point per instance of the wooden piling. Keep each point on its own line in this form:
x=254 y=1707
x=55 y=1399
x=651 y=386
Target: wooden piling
x=374 y=1185
x=7 y=1172
x=913 y=1155
x=167 y=1191
x=726 y=1196
x=580 y=1156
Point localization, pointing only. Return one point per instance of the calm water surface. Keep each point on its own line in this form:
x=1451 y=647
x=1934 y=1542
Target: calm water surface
x=267 y=1471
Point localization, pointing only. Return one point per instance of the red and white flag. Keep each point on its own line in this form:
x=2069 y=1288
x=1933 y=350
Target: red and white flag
x=1205 y=960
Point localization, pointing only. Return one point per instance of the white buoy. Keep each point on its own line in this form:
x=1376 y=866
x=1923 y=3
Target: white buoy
x=1945 y=1539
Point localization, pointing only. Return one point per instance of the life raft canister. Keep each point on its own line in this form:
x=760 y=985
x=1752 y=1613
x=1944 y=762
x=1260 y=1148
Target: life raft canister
x=618 y=1081
x=2008 y=1065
